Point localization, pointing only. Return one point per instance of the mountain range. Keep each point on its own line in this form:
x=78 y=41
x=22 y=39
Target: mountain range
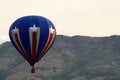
x=70 y=58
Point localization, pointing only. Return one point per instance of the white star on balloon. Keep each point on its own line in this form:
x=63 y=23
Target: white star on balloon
x=51 y=30
x=34 y=28
x=15 y=30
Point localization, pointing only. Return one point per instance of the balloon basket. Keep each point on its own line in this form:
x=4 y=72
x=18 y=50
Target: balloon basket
x=33 y=69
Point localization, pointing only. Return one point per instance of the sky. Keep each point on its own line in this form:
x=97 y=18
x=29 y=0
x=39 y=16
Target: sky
x=96 y=18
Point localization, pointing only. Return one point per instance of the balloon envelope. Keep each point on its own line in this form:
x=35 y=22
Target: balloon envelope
x=32 y=36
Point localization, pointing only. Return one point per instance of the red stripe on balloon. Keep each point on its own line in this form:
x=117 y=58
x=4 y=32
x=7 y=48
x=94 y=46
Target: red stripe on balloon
x=20 y=47
x=34 y=45
x=46 y=47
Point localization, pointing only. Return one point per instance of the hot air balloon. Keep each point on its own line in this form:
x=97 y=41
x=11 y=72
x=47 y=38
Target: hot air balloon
x=32 y=36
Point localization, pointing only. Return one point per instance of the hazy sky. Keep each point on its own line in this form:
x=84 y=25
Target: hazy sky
x=71 y=17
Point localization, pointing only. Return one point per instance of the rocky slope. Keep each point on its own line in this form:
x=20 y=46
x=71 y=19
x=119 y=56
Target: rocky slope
x=70 y=58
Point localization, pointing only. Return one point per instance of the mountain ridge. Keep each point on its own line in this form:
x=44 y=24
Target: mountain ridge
x=70 y=58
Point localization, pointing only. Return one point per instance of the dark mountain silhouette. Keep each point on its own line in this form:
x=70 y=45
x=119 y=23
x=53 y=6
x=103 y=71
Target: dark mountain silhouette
x=70 y=58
